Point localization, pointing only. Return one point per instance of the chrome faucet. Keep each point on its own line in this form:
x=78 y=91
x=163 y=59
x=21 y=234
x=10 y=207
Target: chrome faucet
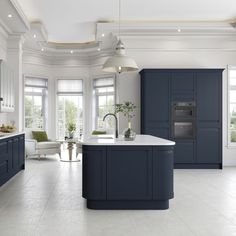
x=116 y=124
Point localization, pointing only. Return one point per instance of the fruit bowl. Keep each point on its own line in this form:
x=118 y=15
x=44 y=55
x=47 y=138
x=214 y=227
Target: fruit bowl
x=7 y=129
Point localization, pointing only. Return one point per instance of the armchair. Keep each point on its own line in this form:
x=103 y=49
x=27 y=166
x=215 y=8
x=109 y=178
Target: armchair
x=34 y=148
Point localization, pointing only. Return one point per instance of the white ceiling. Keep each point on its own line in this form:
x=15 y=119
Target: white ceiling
x=74 y=20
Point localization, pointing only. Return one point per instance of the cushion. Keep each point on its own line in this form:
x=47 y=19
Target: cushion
x=40 y=136
x=99 y=132
x=48 y=145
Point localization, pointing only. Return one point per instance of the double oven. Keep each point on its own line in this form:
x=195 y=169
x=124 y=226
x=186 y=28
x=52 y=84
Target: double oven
x=183 y=120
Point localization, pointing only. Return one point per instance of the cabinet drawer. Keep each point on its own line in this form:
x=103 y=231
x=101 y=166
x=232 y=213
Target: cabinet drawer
x=3 y=170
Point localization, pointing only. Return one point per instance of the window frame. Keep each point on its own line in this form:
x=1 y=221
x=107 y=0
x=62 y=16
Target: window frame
x=229 y=89
x=44 y=99
x=96 y=107
x=57 y=94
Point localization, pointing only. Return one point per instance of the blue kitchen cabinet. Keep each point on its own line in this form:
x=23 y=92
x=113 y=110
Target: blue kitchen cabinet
x=94 y=173
x=128 y=177
x=160 y=88
x=12 y=156
x=126 y=180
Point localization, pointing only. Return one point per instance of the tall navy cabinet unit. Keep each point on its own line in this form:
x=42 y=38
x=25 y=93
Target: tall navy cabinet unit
x=202 y=88
x=12 y=156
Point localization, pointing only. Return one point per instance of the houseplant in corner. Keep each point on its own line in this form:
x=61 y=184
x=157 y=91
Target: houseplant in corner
x=128 y=110
x=71 y=129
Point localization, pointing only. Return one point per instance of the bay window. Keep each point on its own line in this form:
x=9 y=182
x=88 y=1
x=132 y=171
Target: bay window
x=104 y=91
x=232 y=106
x=69 y=106
x=35 y=101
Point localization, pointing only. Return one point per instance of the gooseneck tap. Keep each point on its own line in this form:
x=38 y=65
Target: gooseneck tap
x=116 y=124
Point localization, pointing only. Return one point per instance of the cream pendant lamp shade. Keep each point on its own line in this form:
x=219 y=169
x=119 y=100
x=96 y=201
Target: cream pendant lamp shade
x=120 y=62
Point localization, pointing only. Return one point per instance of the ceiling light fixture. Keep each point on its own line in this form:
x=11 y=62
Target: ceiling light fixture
x=103 y=35
x=34 y=36
x=179 y=30
x=99 y=49
x=42 y=49
x=9 y=15
x=119 y=62
x=71 y=51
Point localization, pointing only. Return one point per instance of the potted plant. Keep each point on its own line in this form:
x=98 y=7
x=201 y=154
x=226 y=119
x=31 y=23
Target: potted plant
x=71 y=129
x=128 y=110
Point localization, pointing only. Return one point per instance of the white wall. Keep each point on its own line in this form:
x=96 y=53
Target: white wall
x=3 y=56
x=149 y=52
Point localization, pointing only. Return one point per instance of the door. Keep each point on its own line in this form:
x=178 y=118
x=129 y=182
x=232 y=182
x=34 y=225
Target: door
x=209 y=96
x=94 y=173
x=5 y=165
x=129 y=173
x=155 y=96
x=208 y=145
x=184 y=152
x=163 y=164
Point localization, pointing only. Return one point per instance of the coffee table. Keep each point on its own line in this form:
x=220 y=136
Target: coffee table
x=70 y=146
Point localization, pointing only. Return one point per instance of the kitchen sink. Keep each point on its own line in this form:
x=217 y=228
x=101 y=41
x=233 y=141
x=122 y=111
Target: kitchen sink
x=96 y=137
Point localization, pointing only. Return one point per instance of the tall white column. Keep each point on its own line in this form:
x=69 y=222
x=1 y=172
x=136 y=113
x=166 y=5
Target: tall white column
x=14 y=61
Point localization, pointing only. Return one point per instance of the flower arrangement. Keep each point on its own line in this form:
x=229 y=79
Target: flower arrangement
x=128 y=110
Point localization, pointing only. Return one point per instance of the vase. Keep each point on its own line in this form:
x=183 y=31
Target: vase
x=71 y=135
x=129 y=134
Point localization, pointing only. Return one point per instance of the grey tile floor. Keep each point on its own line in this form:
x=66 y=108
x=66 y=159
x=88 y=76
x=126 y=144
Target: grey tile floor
x=45 y=199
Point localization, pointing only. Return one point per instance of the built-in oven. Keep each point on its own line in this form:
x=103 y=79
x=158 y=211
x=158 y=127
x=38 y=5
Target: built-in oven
x=183 y=129
x=183 y=120
x=185 y=110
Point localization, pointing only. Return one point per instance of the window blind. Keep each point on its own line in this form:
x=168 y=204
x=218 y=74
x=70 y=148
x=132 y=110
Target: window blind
x=69 y=86
x=36 y=82
x=104 y=82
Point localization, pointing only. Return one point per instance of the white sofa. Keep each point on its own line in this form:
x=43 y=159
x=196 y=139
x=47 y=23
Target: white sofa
x=34 y=148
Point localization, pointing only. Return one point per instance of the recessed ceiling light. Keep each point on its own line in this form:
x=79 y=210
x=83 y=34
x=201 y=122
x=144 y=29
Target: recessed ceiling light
x=34 y=36
x=103 y=35
x=9 y=15
x=179 y=30
x=99 y=49
x=71 y=51
x=42 y=49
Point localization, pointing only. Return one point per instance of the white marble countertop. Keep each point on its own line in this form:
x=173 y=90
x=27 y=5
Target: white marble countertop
x=140 y=140
x=8 y=135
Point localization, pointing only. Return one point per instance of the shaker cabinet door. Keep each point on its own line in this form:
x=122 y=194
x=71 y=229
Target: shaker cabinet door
x=129 y=173
x=94 y=173
x=209 y=96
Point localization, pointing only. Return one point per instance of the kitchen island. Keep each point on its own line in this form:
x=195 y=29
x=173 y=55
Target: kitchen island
x=120 y=174
x=12 y=155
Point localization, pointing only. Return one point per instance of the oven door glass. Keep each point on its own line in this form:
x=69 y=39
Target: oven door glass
x=183 y=112
x=183 y=129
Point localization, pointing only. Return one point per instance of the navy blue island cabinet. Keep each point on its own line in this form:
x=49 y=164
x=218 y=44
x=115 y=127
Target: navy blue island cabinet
x=128 y=177
x=12 y=156
x=185 y=105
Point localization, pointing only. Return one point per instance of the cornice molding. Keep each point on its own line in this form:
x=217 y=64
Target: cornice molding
x=166 y=28
x=21 y=14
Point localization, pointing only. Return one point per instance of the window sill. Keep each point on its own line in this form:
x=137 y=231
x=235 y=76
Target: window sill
x=231 y=146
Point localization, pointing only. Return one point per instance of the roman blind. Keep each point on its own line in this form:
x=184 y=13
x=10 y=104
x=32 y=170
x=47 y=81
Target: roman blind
x=69 y=86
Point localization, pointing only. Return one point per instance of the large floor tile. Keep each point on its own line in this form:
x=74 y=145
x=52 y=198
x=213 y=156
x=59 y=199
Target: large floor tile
x=45 y=199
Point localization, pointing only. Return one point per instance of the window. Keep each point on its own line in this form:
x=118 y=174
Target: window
x=232 y=105
x=104 y=91
x=35 y=103
x=69 y=106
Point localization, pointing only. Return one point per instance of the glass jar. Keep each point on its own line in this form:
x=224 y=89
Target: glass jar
x=129 y=134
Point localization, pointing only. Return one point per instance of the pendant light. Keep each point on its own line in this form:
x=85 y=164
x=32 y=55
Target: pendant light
x=120 y=62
